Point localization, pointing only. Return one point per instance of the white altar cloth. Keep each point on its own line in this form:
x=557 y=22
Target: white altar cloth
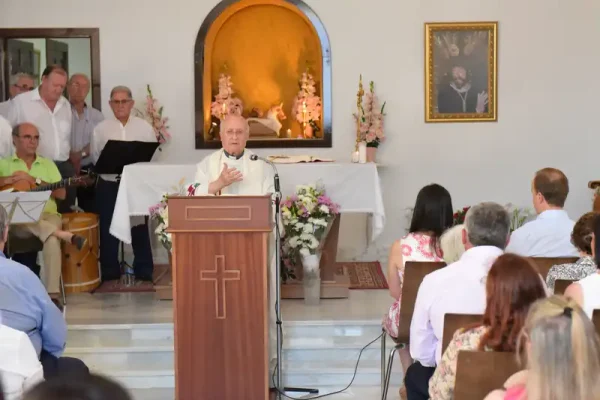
x=355 y=187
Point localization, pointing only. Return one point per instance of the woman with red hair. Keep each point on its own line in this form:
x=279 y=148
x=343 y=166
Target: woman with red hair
x=513 y=285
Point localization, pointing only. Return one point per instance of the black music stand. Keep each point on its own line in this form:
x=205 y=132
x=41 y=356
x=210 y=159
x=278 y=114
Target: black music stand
x=113 y=158
x=118 y=153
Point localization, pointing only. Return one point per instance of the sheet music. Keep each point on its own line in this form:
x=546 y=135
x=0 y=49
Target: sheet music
x=28 y=207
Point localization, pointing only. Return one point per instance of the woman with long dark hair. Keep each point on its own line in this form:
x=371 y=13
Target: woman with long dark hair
x=513 y=285
x=432 y=215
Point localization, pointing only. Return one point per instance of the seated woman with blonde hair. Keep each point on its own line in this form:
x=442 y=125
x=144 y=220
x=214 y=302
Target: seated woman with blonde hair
x=452 y=244
x=563 y=355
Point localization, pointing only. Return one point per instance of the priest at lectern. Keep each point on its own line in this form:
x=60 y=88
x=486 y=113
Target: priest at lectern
x=230 y=171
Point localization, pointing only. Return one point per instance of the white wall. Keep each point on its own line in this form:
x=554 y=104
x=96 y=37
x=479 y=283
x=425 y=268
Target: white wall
x=80 y=59
x=548 y=86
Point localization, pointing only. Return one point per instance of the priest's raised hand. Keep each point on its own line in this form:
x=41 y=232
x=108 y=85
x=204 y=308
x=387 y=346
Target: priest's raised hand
x=227 y=177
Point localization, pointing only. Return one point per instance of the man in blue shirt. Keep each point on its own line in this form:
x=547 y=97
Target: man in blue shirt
x=26 y=306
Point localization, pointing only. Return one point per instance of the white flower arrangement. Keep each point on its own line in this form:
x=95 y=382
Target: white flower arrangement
x=160 y=212
x=306 y=217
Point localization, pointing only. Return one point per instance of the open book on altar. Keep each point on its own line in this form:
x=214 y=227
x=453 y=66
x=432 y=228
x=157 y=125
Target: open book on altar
x=297 y=159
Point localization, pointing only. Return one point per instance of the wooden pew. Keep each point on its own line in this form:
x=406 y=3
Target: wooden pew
x=414 y=273
x=596 y=320
x=560 y=285
x=480 y=372
x=453 y=322
x=544 y=264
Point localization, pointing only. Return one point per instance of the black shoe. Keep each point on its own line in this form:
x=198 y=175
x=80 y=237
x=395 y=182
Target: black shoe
x=78 y=241
x=144 y=278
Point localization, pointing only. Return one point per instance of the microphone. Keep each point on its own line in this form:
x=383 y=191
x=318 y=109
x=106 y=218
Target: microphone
x=254 y=157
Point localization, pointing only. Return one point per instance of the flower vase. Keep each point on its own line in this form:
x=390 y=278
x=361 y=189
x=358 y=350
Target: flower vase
x=311 y=279
x=371 y=154
x=308 y=131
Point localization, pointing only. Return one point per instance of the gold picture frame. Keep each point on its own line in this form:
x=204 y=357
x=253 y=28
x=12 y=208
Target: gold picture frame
x=461 y=72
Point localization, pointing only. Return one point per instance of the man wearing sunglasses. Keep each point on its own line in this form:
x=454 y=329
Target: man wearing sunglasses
x=19 y=83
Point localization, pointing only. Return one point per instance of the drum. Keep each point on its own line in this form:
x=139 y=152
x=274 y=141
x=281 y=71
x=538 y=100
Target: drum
x=80 y=268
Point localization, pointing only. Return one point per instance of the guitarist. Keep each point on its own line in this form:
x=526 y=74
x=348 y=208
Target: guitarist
x=28 y=168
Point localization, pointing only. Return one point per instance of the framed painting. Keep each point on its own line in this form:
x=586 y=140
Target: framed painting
x=461 y=71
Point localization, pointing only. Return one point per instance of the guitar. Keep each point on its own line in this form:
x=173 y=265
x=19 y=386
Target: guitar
x=24 y=186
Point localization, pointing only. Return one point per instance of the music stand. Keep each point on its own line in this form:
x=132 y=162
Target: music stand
x=23 y=207
x=118 y=153
x=113 y=158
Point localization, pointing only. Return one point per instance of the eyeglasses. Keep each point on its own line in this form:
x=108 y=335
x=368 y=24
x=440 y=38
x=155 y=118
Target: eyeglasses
x=30 y=138
x=25 y=88
x=120 y=102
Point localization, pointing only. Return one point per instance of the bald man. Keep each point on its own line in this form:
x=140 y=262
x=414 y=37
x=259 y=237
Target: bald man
x=230 y=171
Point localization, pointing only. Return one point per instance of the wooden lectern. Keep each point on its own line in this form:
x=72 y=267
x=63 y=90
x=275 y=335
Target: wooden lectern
x=220 y=270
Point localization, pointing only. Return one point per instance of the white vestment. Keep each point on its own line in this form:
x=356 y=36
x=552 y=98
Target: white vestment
x=257 y=181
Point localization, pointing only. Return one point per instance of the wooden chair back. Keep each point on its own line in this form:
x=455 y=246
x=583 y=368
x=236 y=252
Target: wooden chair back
x=596 y=320
x=561 y=285
x=544 y=264
x=480 y=372
x=453 y=322
x=414 y=272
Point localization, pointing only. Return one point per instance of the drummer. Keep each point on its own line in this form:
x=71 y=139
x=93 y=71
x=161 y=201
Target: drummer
x=27 y=167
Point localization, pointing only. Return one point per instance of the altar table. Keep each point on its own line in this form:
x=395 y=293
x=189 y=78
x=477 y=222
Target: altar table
x=355 y=187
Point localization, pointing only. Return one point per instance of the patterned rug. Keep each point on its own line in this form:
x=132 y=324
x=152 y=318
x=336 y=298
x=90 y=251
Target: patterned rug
x=160 y=277
x=364 y=275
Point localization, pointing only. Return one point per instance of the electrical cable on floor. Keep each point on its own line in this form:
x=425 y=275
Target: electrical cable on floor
x=307 y=397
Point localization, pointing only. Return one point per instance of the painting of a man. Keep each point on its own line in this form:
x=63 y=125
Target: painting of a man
x=459 y=95
x=461 y=72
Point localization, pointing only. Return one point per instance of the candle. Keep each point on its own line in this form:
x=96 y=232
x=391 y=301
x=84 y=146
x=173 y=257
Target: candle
x=289 y=133
x=355 y=157
x=304 y=112
x=224 y=109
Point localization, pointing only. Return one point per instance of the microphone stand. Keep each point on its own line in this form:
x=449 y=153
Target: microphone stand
x=279 y=379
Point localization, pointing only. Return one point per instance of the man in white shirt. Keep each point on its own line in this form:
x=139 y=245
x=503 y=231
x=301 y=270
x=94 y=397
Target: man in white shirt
x=50 y=112
x=19 y=83
x=230 y=171
x=124 y=127
x=85 y=119
x=550 y=234
x=458 y=288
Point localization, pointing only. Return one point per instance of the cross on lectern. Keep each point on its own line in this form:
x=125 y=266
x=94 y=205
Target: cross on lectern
x=220 y=276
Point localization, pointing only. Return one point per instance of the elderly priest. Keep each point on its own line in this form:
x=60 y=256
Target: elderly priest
x=230 y=171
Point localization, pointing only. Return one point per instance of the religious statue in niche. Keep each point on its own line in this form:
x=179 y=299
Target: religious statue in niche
x=265 y=64
x=306 y=109
x=269 y=126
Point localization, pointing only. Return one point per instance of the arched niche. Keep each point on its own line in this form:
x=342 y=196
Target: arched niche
x=265 y=45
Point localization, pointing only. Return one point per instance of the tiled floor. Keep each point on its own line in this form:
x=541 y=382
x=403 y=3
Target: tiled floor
x=132 y=308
